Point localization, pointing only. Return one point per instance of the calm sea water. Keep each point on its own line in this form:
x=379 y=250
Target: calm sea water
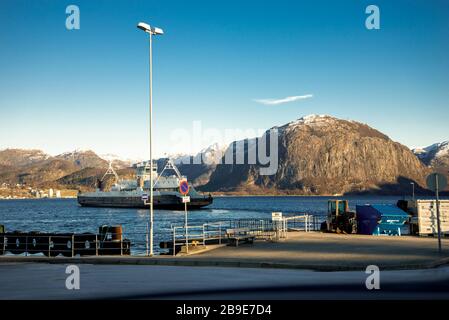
x=65 y=215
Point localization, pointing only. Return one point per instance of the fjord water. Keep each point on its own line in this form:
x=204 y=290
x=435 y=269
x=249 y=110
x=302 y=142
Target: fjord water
x=65 y=215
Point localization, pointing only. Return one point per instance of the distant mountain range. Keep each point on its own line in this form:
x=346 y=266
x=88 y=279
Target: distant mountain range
x=435 y=156
x=318 y=155
x=77 y=169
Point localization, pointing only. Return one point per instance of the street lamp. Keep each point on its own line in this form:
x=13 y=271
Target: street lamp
x=413 y=190
x=151 y=31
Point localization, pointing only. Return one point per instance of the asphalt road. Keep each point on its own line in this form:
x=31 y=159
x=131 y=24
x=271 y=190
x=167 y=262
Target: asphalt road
x=48 y=281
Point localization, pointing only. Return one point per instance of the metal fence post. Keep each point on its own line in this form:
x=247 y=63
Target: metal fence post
x=204 y=235
x=96 y=244
x=121 y=242
x=26 y=246
x=174 y=241
x=73 y=245
x=49 y=246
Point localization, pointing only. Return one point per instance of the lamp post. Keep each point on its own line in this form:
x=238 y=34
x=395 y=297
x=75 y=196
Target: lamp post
x=413 y=190
x=151 y=31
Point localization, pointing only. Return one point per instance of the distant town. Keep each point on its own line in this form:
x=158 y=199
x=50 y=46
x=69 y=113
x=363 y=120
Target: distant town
x=22 y=191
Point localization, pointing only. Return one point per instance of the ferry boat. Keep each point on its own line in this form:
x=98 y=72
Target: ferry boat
x=133 y=193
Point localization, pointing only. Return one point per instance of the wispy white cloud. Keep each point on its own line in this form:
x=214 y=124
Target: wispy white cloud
x=272 y=102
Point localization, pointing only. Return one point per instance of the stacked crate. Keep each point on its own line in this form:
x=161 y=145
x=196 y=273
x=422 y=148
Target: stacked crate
x=424 y=216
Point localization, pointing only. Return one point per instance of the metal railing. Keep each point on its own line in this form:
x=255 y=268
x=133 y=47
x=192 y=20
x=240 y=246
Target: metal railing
x=215 y=232
x=304 y=222
x=68 y=245
x=197 y=234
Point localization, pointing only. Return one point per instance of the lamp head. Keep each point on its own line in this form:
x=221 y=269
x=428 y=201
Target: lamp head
x=149 y=29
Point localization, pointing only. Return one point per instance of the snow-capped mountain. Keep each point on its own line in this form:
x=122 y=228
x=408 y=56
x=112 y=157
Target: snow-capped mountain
x=435 y=155
x=210 y=155
x=118 y=161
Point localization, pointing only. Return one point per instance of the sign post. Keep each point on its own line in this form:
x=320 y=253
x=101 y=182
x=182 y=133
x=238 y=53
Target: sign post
x=276 y=216
x=437 y=182
x=147 y=238
x=184 y=190
x=276 y=219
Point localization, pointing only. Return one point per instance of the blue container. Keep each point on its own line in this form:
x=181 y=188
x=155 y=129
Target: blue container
x=367 y=219
x=381 y=220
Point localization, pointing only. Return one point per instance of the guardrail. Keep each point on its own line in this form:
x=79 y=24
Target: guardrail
x=68 y=245
x=267 y=229
x=194 y=235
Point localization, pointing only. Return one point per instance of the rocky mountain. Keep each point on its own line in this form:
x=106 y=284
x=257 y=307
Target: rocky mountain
x=326 y=155
x=37 y=174
x=435 y=156
x=83 y=159
x=20 y=157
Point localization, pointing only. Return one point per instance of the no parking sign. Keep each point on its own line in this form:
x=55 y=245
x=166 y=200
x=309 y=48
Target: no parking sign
x=183 y=187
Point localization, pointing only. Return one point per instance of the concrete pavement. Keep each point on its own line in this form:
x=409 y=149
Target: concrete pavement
x=47 y=281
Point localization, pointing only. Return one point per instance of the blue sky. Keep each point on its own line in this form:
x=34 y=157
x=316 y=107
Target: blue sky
x=88 y=88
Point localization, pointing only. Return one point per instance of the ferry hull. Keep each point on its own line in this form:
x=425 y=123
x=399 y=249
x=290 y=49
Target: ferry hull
x=160 y=202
